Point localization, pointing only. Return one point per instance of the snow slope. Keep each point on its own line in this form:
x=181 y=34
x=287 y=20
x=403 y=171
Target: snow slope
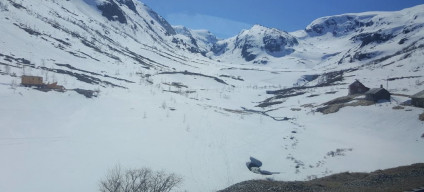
x=163 y=106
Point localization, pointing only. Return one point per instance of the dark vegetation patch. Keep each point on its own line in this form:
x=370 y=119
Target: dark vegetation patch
x=83 y=77
x=17 y=60
x=265 y=113
x=97 y=49
x=295 y=109
x=326 y=79
x=28 y=30
x=313 y=95
x=196 y=74
x=180 y=92
x=267 y=104
x=176 y=84
x=331 y=92
x=92 y=73
x=397 y=78
x=232 y=77
x=16 y=5
x=87 y=93
x=69 y=11
x=398 y=107
x=335 y=105
x=389 y=180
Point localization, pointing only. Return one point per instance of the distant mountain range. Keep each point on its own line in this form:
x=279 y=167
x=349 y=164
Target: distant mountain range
x=359 y=37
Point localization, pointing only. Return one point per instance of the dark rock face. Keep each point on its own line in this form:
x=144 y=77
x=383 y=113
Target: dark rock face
x=277 y=44
x=112 y=12
x=368 y=38
x=219 y=49
x=411 y=28
x=129 y=3
x=337 y=25
x=169 y=29
x=194 y=49
x=246 y=54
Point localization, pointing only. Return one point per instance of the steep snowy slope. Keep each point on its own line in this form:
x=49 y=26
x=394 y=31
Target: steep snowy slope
x=160 y=103
x=370 y=37
x=51 y=36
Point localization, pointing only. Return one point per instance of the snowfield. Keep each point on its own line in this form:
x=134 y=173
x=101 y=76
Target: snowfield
x=163 y=107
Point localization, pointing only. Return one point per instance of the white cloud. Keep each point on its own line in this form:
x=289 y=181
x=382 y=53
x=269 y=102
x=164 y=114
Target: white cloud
x=221 y=27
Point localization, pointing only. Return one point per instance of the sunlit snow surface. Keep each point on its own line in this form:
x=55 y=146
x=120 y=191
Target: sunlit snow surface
x=52 y=141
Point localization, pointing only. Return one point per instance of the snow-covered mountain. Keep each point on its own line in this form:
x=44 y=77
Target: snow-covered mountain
x=255 y=43
x=195 y=41
x=142 y=93
x=362 y=37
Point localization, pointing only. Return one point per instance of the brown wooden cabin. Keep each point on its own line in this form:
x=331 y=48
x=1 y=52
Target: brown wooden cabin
x=32 y=81
x=417 y=99
x=357 y=88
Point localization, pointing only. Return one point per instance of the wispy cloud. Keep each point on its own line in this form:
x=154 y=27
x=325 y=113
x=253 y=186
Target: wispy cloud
x=221 y=27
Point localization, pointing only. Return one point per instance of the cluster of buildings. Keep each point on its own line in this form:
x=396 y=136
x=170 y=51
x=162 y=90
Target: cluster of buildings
x=36 y=81
x=377 y=94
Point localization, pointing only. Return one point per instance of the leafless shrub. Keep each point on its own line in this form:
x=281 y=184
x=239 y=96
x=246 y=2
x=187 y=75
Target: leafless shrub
x=138 y=180
x=421 y=117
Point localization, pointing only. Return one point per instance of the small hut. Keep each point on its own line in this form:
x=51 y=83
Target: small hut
x=377 y=94
x=32 y=81
x=417 y=99
x=55 y=86
x=357 y=88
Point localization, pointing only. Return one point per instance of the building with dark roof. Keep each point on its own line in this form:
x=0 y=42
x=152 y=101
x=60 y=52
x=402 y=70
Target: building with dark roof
x=418 y=99
x=357 y=88
x=377 y=94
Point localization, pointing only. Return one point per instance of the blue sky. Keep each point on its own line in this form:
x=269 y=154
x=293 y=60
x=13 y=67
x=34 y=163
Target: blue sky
x=226 y=18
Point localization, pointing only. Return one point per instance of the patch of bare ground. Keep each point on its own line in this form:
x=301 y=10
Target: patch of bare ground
x=390 y=180
x=398 y=107
x=335 y=105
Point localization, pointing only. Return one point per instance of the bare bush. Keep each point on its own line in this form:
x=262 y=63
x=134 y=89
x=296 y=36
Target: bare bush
x=421 y=117
x=138 y=180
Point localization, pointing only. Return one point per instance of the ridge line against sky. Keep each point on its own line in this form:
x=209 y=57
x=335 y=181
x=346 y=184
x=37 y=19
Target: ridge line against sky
x=226 y=18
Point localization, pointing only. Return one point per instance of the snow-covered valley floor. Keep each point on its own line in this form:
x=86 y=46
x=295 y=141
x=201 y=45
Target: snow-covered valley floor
x=65 y=142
